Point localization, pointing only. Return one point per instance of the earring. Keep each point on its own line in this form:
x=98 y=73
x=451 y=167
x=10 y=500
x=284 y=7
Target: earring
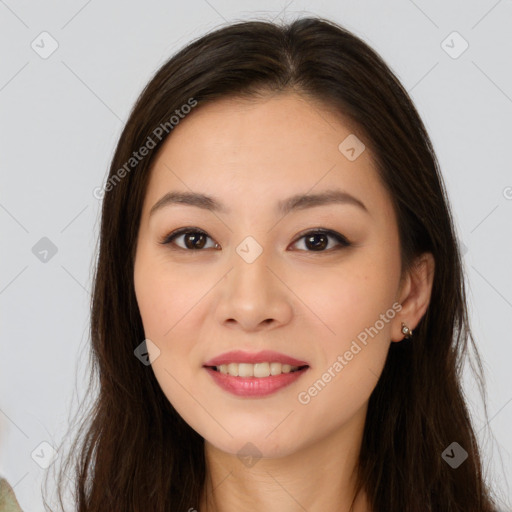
x=406 y=331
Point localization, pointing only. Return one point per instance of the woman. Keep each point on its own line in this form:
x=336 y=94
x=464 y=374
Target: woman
x=279 y=316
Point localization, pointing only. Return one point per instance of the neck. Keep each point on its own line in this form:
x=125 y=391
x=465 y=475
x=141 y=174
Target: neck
x=317 y=477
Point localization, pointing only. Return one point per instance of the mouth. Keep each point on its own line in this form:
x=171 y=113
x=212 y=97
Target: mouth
x=254 y=375
x=248 y=374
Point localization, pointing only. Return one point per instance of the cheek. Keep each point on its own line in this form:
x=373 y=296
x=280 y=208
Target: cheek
x=169 y=303
x=351 y=353
x=349 y=298
x=164 y=295
x=355 y=305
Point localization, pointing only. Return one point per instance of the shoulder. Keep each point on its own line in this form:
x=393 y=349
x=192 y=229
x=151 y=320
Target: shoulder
x=8 y=502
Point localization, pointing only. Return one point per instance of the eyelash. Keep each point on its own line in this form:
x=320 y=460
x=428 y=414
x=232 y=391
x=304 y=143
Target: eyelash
x=343 y=242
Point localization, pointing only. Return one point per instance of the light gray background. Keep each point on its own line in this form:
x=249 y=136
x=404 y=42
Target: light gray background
x=61 y=117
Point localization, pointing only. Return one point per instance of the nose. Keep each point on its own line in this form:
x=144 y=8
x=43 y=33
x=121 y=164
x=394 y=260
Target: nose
x=254 y=296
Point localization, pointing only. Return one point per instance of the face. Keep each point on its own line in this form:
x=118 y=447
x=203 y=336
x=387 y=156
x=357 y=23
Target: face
x=317 y=281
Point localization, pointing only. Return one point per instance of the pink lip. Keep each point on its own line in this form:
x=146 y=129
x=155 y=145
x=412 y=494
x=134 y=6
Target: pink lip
x=254 y=386
x=266 y=356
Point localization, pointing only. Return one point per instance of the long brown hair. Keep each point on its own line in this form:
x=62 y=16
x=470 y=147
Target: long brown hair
x=133 y=451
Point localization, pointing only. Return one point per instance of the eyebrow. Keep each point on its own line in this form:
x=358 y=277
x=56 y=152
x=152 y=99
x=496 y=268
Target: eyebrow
x=296 y=202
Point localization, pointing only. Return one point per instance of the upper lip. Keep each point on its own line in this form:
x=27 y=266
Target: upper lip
x=239 y=356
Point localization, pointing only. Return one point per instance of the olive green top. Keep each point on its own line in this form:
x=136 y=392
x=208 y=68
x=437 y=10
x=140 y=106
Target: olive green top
x=8 y=502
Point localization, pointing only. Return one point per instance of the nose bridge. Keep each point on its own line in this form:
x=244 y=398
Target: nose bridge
x=251 y=278
x=252 y=294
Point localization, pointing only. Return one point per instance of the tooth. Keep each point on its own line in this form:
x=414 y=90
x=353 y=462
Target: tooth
x=245 y=370
x=233 y=369
x=261 y=370
x=275 y=368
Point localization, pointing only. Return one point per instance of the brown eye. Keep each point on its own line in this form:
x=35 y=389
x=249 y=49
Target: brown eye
x=193 y=239
x=318 y=240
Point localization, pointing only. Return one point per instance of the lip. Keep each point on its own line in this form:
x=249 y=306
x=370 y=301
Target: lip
x=265 y=356
x=254 y=386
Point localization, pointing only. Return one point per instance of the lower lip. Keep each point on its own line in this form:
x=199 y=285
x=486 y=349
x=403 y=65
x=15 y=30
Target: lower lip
x=254 y=386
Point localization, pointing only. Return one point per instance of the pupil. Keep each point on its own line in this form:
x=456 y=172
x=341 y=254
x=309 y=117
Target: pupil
x=193 y=238
x=316 y=245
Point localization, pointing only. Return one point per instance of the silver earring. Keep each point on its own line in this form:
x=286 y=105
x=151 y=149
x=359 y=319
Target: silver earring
x=406 y=331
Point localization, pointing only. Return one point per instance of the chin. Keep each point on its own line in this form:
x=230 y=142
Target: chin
x=255 y=441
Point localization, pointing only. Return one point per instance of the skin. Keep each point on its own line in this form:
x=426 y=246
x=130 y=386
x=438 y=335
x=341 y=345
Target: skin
x=311 y=305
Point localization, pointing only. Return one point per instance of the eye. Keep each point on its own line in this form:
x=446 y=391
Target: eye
x=316 y=240
x=194 y=238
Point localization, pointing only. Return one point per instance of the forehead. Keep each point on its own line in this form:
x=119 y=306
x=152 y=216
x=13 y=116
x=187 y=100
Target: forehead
x=261 y=150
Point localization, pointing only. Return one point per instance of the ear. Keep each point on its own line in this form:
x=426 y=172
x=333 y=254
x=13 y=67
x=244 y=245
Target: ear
x=414 y=295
